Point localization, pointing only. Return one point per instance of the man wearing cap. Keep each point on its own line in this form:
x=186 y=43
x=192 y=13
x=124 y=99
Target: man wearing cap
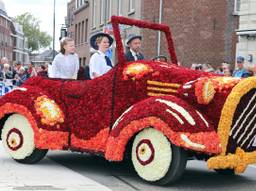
x=240 y=71
x=133 y=43
x=100 y=63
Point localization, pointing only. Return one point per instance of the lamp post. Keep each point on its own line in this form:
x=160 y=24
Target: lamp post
x=159 y=32
x=53 y=46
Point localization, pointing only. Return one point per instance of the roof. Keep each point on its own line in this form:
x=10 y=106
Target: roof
x=47 y=55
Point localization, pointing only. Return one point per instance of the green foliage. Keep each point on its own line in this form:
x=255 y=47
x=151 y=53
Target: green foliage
x=31 y=27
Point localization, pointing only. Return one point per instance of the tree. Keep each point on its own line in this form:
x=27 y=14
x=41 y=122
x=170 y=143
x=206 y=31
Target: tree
x=31 y=27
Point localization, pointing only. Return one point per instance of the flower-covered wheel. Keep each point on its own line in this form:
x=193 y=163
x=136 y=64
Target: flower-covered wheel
x=155 y=159
x=18 y=140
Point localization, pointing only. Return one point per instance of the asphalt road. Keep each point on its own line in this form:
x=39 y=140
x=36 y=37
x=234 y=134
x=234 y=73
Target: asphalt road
x=47 y=175
x=121 y=177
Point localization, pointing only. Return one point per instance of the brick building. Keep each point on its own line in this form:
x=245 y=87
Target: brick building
x=85 y=18
x=6 y=47
x=78 y=28
x=13 y=43
x=69 y=20
x=203 y=31
x=20 y=44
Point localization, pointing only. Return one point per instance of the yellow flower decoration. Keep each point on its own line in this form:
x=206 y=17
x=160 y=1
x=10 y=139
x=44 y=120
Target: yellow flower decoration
x=204 y=91
x=49 y=111
x=136 y=70
x=223 y=83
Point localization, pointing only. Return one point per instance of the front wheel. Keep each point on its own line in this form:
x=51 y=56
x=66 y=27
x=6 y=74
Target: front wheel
x=18 y=140
x=226 y=172
x=155 y=159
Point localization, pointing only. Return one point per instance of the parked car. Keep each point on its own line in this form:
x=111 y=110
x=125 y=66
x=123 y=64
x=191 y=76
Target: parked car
x=156 y=113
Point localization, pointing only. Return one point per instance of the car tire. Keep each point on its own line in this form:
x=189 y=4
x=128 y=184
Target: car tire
x=226 y=172
x=155 y=159
x=18 y=140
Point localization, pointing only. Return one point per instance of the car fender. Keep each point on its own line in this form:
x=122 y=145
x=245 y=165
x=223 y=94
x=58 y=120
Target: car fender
x=24 y=100
x=184 y=126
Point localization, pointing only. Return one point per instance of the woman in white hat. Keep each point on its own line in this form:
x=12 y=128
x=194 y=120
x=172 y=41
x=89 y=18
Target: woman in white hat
x=99 y=63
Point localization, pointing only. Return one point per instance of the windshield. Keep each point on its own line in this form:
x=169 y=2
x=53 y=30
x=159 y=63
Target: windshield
x=153 y=42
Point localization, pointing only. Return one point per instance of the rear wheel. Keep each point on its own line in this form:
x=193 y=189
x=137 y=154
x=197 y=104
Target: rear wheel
x=18 y=140
x=155 y=159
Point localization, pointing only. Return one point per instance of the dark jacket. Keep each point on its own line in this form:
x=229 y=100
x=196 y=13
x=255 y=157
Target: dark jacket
x=129 y=57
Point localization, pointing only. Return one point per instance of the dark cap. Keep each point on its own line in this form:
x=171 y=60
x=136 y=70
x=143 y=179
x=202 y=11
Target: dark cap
x=240 y=59
x=132 y=37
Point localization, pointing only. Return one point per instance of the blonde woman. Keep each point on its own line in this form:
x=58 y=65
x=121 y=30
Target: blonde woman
x=99 y=63
x=66 y=64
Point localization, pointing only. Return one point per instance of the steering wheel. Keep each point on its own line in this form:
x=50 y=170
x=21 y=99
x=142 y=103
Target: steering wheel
x=160 y=58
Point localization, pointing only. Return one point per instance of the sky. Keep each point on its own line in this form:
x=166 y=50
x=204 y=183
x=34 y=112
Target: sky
x=41 y=9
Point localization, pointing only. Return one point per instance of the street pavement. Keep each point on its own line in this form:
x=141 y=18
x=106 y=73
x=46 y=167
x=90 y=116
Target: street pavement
x=46 y=175
x=73 y=171
x=121 y=177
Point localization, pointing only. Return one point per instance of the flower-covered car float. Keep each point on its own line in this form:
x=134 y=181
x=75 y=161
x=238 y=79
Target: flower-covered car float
x=158 y=114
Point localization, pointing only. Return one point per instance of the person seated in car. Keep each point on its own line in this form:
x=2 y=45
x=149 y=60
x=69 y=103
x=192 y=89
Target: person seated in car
x=66 y=64
x=133 y=43
x=100 y=63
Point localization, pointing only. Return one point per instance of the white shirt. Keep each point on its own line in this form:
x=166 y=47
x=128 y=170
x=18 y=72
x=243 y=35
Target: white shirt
x=65 y=66
x=98 y=64
x=134 y=55
x=50 y=74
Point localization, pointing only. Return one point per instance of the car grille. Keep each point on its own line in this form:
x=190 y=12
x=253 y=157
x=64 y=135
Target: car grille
x=155 y=88
x=243 y=129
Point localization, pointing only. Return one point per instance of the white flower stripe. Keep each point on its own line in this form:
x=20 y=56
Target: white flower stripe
x=190 y=143
x=176 y=116
x=121 y=117
x=179 y=109
x=21 y=89
x=202 y=117
x=187 y=86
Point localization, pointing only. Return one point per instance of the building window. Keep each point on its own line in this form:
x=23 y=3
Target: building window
x=76 y=35
x=82 y=34
x=108 y=9
x=77 y=4
x=119 y=7
x=102 y=12
x=237 y=6
x=131 y=6
x=79 y=33
x=93 y=13
x=72 y=15
x=84 y=61
x=86 y=30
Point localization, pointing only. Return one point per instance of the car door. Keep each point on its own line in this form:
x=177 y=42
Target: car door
x=89 y=110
